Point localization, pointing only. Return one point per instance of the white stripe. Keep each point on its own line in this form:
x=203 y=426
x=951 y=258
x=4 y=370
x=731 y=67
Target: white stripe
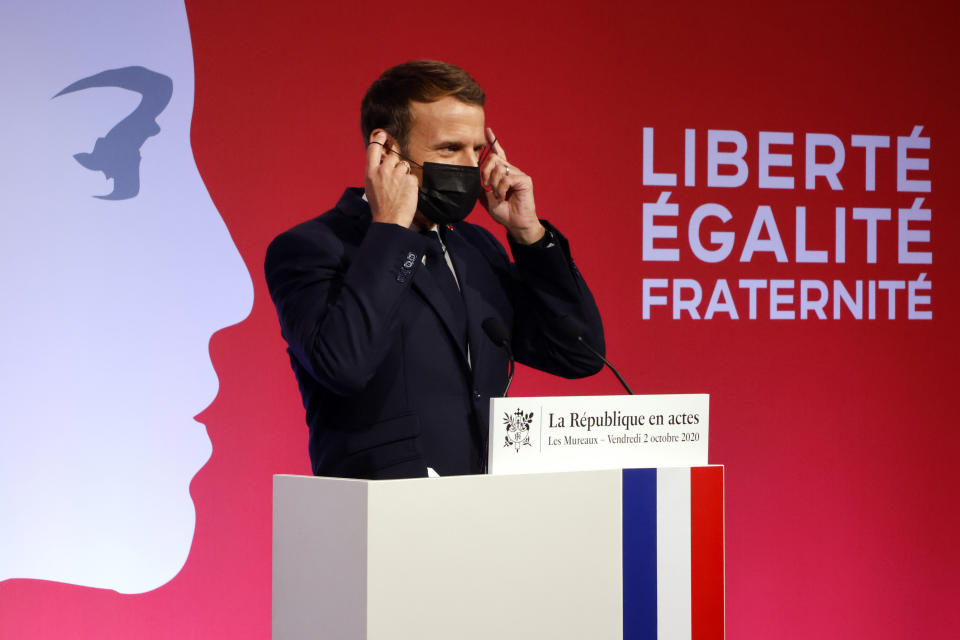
x=673 y=554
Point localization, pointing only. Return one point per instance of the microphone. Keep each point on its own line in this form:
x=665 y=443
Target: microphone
x=574 y=330
x=499 y=336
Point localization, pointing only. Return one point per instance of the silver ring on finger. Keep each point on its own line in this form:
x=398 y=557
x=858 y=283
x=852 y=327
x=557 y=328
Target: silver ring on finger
x=506 y=171
x=406 y=165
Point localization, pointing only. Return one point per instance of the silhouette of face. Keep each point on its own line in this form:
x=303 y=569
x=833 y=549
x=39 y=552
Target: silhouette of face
x=108 y=304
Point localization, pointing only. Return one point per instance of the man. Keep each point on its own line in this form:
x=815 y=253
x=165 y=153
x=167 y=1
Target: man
x=384 y=322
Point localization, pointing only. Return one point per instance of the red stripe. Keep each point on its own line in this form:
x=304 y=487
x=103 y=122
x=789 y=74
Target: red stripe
x=706 y=552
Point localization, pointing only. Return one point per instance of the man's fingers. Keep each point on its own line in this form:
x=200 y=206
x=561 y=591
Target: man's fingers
x=503 y=186
x=493 y=170
x=390 y=160
x=374 y=156
x=486 y=171
x=495 y=147
x=497 y=178
x=375 y=150
x=501 y=177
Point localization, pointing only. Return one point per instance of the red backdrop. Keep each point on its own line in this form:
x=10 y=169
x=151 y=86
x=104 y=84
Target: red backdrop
x=838 y=434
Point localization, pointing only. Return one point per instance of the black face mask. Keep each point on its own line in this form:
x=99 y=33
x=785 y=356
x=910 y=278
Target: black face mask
x=449 y=191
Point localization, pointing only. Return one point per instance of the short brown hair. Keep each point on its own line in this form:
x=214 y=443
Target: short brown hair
x=386 y=105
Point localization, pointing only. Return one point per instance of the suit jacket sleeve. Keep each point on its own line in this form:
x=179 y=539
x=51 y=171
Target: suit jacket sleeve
x=337 y=302
x=546 y=286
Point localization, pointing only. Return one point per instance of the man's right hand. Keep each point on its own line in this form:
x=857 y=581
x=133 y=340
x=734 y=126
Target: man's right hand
x=391 y=188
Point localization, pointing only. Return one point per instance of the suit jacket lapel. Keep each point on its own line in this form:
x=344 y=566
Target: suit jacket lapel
x=425 y=284
x=463 y=254
x=467 y=259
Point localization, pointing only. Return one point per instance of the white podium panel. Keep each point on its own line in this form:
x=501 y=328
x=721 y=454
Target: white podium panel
x=481 y=557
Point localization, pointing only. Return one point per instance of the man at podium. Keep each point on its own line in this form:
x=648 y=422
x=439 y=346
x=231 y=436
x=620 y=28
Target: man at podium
x=383 y=300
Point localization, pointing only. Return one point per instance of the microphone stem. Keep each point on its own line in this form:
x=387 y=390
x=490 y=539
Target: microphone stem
x=510 y=375
x=606 y=362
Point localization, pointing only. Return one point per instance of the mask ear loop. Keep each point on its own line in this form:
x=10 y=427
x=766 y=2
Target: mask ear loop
x=405 y=158
x=484 y=156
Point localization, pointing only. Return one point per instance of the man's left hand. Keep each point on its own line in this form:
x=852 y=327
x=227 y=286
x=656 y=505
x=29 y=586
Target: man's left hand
x=510 y=202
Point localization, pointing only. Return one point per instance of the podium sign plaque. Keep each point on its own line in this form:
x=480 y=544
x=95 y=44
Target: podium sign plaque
x=576 y=433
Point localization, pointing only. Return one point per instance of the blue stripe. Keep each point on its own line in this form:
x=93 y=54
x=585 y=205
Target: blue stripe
x=639 y=554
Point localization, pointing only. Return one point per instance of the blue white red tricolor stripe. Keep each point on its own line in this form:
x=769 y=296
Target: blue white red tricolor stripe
x=673 y=554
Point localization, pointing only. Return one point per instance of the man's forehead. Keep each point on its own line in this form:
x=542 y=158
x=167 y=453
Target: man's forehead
x=447 y=118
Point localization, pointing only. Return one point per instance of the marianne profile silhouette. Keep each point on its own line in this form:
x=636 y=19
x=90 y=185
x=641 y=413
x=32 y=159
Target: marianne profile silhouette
x=115 y=270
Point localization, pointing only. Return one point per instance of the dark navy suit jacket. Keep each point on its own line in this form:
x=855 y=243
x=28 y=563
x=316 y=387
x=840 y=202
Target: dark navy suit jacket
x=388 y=390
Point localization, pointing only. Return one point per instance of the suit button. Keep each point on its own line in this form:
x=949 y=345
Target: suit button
x=476 y=394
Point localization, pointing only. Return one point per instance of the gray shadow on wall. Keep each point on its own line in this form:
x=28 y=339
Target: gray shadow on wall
x=117 y=154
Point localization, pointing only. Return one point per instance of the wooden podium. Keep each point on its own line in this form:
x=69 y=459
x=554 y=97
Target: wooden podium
x=634 y=553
